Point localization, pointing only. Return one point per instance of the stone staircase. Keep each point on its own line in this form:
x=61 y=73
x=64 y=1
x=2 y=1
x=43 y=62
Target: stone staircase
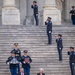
x=34 y=39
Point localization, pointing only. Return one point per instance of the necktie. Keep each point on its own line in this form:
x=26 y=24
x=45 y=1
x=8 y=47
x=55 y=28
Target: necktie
x=22 y=74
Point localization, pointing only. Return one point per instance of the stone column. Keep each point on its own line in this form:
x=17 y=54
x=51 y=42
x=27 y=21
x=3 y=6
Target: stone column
x=50 y=9
x=10 y=14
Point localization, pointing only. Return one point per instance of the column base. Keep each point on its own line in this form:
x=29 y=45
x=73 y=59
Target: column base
x=54 y=13
x=10 y=16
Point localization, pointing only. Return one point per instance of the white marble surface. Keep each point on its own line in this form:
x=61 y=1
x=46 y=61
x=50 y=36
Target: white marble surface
x=8 y=2
x=10 y=16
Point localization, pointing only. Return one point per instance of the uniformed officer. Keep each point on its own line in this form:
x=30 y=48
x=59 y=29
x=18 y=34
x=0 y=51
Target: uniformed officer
x=71 y=54
x=49 y=30
x=72 y=12
x=59 y=46
x=12 y=62
x=26 y=60
x=17 y=53
x=35 y=9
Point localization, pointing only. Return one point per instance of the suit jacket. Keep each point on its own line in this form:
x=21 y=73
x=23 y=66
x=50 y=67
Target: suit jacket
x=71 y=56
x=24 y=65
x=49 y=26
x=24 y=74
x=10 y=59
x=59 y=43
x=42 y=74
x=17 y=52
x=35 y=8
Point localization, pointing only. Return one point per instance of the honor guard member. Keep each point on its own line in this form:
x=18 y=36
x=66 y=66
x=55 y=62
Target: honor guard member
x=72 y=12
x=35 y=9
x=17 y=53
x=49 y=30
x=71 y=54
x=59 y=46
x=26 y=60
x=12 y=62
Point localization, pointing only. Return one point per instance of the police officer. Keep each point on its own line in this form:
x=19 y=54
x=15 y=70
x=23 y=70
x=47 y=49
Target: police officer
x=72 y=12
x=59 y=46
x=17 y=53
x=49 y=30
x=35 y=9
x=71 y=54
x=12 y=62
x=26 y=60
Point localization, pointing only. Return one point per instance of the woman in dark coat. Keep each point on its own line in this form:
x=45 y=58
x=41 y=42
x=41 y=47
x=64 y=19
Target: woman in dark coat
x=41 y=72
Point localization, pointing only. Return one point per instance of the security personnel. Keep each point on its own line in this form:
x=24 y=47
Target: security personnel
x=17 y=53
x=59 y=46
x=72 y=12
x=26 y=60
x=35 y=9
x=12 y=62
x=71 y=54
x=49 y=30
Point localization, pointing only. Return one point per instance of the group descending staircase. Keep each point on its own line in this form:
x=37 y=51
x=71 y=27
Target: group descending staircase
x=34 y=39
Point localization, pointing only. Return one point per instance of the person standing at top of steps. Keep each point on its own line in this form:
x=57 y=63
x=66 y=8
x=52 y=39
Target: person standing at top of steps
x=17 y=53
x=41 y=72
x=26 y=60
x=35 y=9
x=72 y=12
x=71 y=54
x=59 y=46
x=13 y=61
x=49 y=30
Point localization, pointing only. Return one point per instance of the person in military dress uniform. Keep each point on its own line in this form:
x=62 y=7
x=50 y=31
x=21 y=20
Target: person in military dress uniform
x=71 y=54
x=26 y=60
x=35 y=9
x=49 y=30
x=59 y=46
x=13 y=61
x=72 y=12
x=17 y=53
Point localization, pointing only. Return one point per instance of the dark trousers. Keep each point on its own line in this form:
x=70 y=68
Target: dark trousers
x=60 y=54
x=18 y=68
x=49 y=37
x=13 y=71
x=36 y=18
x=73 y=19
x=27 y=70
x=72 y=68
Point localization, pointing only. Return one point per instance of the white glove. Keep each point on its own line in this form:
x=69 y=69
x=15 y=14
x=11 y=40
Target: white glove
x=36 y=14
x=60 y=48
x=49 y=31
x=8 y=63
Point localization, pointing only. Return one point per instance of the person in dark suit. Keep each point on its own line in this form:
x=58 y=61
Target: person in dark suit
x=35 y=9
x=22 y=72
x=17 y=53
x=71 y=54
x=13 y=61
x=72 y=12
x=41 y=72
x=49 y=30
x=59 y=46
x=26 y=60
